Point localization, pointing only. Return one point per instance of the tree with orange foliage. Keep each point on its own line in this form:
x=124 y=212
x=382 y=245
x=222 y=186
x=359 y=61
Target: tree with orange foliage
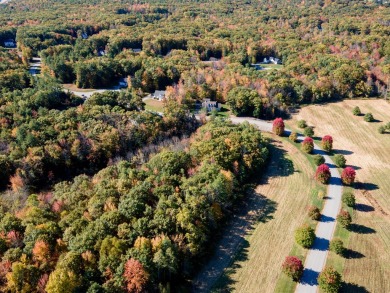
x=41 y=251
x=135 y=276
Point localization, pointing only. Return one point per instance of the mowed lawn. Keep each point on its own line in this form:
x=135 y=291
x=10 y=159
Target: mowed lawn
x=289 y=183
x=154 y=105
x=369 y=152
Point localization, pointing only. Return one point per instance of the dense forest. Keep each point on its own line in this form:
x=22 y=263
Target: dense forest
x=99 y=195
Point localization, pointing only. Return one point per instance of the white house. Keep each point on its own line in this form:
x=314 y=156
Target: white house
x=9 y=43
x=211 y=105
x=275 y=60
x=137 y=50
x=159 y=95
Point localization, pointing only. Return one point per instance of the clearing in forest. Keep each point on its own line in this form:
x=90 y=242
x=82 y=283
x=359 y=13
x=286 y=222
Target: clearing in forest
x=289 y=183
x=368 y=152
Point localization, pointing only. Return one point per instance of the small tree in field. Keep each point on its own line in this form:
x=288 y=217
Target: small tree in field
x=293 y=267
x=356 y=111
x=349 y=199
x=327 y=143
x=302 y=124
x=318 y=160
x=308 y=145
x=368 y=117
x=340 y=160
x=309 y=131
x=305 y=236
x=323 y=173
x=382 y=129
x=278 y=126
x=337 y=246
x=348 y=176
x=293 y=136
x=329 y=280
x=314 y=213
x=344 y=218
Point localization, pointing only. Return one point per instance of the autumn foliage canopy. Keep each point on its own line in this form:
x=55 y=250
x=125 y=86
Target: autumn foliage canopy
x=278 y=126
x=323 y=173
x=308 y=145
x=293 y=267
x=327 y=143
x=348 y=176
x=135 y=276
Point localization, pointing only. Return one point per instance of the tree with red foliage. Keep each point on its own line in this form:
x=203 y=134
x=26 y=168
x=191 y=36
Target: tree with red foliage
x=348 y=176
x=278 y=126
x=308 y=145
x=327 y=143
x=135 y=276
x=293 y=267
x=323 y=173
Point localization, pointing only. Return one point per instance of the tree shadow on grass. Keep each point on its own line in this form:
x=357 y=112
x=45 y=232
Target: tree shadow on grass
x=225 y=281
x=364 y=208
x=354 y=167
x=279 y=164
x=366 y=186
x=352 y=287
x=342 y=152
x=352 y=254
x=360 y=229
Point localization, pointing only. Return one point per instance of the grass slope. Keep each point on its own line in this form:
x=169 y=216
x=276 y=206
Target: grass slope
x=288 y=182
x=367 y=267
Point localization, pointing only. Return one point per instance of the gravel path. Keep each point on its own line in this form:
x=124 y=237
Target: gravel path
x=233 y=237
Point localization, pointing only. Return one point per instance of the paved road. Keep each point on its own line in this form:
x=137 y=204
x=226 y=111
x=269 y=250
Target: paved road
x=316 y=258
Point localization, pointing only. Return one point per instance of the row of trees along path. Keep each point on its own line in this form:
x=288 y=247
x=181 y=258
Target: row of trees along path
x=316 y=257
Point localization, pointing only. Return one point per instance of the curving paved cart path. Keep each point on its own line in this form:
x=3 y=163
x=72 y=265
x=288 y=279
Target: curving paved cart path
x=316 y=257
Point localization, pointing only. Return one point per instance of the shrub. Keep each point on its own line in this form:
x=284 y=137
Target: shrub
x=323 y=173
x=293 y=136
x=302 y=124
x=278 y=126
x=305 y=236
x=329 y=280
x=368 y=117
x=340 y=160
x=308 y=131
x=293 y=267
x=327 y=143
x=308 y=145
x=356 y=111
x=314 y=213
x=344 y=218
x=387 y=126
x=318 y=160
x=349 y=199
x=382 y=129
x=348 y=176
x=337 y=246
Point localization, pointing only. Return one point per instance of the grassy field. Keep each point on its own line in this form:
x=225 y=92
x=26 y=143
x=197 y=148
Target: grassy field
x=154 y=105
x=288 y=182
x=367 y=266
